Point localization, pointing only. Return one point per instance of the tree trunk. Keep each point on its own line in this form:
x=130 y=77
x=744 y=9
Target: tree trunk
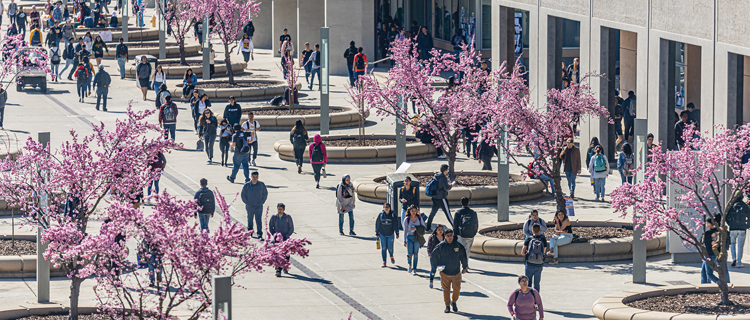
x=75 y=292
x=182 y=52
x=559 y=199
x=721 y=263
x=451 y=164
x=228 y=63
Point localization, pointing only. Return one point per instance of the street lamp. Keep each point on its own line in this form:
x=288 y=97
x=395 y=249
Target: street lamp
x=324 y=104
x=125 y=15
x=206 y=50
x=162 y=30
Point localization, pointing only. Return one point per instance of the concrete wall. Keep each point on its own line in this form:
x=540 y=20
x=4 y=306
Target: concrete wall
x=613 y=10
x=573 y=6
x=746 y=96
x=311 y=19
x=284 y=16
x=263 y=26
x=349 y=20
x=693 y=76
x=734 y=27
x=693 y=18
x=628 y=62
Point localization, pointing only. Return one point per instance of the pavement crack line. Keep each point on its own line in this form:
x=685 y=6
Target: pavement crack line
x=329 y=286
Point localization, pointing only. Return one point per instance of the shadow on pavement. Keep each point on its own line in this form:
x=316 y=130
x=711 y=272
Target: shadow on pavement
x=479 y=316
x=569 y=315
x=474 y=294
x=308 y=279
x=491 y=273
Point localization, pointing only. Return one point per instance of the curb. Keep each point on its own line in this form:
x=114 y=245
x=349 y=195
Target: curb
x=414 y=150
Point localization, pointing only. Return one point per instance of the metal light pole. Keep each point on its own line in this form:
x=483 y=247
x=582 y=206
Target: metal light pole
x=42 y=265
x=639 y=245
x=503 y=179
x=162 y=30
x=400 y=136
x=206 y=51
x=125 y=15
x=222 y=296
x=324 y=107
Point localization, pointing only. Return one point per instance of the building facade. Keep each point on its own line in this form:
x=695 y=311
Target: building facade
x=669 y=52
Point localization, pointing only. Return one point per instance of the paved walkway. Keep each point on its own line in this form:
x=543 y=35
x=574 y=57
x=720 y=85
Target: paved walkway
x=343 y=273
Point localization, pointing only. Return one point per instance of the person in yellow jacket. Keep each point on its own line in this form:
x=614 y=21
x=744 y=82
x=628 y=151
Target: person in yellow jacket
x=35 y=36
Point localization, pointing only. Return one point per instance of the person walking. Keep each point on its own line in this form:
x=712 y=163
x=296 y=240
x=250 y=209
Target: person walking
x=3 y=100
x=626 y=163
x=252 y=127
x=386 y=224
x=232 y=112
x=158 y=78
x=70 y=58
x=534 y=250
x=466 y=225
x=571 y=158
x=486 y=152
x=12 y=11
x=599 y=170
x=156 y=164
x=345 y=203
x=245 y=47
x=143 y=73
x=254 y=194
x=628 y=112
x=305 y=62
x=21 y=20
x=98 y=48
x=121 y=51
x=207 y=125
x=710 y=237
x=409 y=195
x=225 y=136
x=315 y=66
x=2 y=10
x=452 y=258
x=298 y=137
x=532 y=221
x=188 y=82
x=285 y=37
x=281 y=223
x=424 y=44
x=51 y=40
x=82 y=79
x=318 y=156
x=212 y=59
x=439 y=200
x=161 y=95
x=194 y=99
x=168 y=117
x=525 y=301
x=349 y=56
x=590 y=152
x=287 y=63
x=54 y=60
x=738 y=220
x=241 y=154
x=414 y=230
x=206 y=203
x=249 y=30
x=360 y=64
x=435 y=238
x=68 y=30
x=102 y=80
x=563 y=233
x=35 y=36
x=679 y=129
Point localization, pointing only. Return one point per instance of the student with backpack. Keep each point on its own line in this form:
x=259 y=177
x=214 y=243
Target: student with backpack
x=386 y=224
x=102 y=80
x=626 y=163
x=254 y=194
x=82 y=79
x=241 y=154
x=599 y=169
x=360 y=64
x=225 y=136
x=466 y=224
x=435 y=238
x=532 y=221
x=345 y=203
x=206 y=203
x=54 y=59
x=208 y=124
x=318 y=158
x=452 y=258
x=282 y=224
x=524 y=302
x=298 y=137
x=437 y=189
x=315 y=68
x=571 y=164
x=168 y=117
x=252 y=127
x=534 y=251
x=414 y=229
x=349 y=56
x=409 y=196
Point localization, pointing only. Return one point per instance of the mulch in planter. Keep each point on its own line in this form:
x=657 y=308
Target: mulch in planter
x=695 y=303
x=466 y=180
x=65 y=317
x=192 y=63
x=591 y=233
x=227 y=85
x=150 y=45
x=367 y=143
x=22 y=247
x=284 y=111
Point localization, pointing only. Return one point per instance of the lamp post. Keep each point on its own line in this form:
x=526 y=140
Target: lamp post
x=206 y=51
x=400 y=137
x=222 y=296
x=503 y=179
x=42 y=265
x=324 y=107
x=639 y=245
x=162 y=30
x=125 y=15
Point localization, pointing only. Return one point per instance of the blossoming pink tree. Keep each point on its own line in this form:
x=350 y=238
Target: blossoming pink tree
x=62 y=190
x=180 y=17
x=443 y=113
x=229 y=16
x=14 y=60
x=189 y=257
x=708 y=192
x=291 y=75
x=537 y=132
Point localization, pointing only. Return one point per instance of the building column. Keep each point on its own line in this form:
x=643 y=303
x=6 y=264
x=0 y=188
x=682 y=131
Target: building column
x=553 y=50
x=693 y=75
x=503 y=40
x=263 y=22
x=311 y=19
x=665 y=112
x=746 y=90
x=607 y=59
x=628 y=63
x=284 y=17
x=356 y=25
x=735 y=89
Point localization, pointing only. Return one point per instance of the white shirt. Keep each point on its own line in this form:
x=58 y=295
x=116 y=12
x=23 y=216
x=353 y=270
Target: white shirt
x=254 y=127
x=201 y=107
x=159 y=77
x=88 y=43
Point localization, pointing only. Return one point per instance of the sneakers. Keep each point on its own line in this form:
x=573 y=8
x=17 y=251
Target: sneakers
x=324 y=172
x=383 y=266
x=572 y=195
x=414 y=272
x=230 y=179
x=442 y=156
x=393 y=261
x=447 y=309
x=254 y=163
x=430 y=284
x=317 y=186
x=299 y=169
x=209 y=161
x=341 y=232
x=455 y=307
x=734 y=263
x=278 y=274
x=351 y=233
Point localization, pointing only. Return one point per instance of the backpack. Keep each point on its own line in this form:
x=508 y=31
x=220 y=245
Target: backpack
x=360 y=61
x=245 y=146
x=83 y=76
x=169 y=114
x=317 y=153
x=276 y=101
x=631 y=107
x=299 y=140
x=468 y=226
x=55 y=57
x=600 y=165
x=206 y=200
x=317 y=58
x=629 y=166
x=535 y=253
x=431 y=189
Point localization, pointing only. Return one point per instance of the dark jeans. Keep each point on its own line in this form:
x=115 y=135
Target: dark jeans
x=278 y=270
x=351 y=221
x=186 y=90
x=534 y=272
x=439 y=204
x=2 y=115
x=254 y=148
x=308 y=69
x=357 y=75
x=471 y=146
x=101 y=94
x=169 y=129
x=312 y=80
x=237 y=161
x=203 y=218
x=351 y=74
x=224 y=147
x=629 y=128
x=209 y=140
x=487 y=162
x=298 y=156
x=257 y=213
x=81 y=89
x=246 y=56
x=155 y=185
x=211 y=69
x=316 y=170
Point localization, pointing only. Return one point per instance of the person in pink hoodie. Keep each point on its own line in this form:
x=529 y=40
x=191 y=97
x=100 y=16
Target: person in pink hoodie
x=318 y=158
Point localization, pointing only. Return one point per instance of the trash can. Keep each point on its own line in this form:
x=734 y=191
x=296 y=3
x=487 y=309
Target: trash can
x=395 y=182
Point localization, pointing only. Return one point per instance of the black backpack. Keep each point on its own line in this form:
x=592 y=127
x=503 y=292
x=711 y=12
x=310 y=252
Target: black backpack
x=317 y=153
x=361 y=62
x=245 y=146
x=317 y=58
x=276 y=101
x=206 y=200
x=299 y=141
x=535 y=253
x=468 y=226
x=55 y=57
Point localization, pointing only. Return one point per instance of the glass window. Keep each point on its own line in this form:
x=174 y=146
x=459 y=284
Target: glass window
x=486 y=24
x=438 y=19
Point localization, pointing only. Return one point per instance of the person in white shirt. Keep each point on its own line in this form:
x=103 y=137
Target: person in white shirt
x=253 y=127
x=158 y=78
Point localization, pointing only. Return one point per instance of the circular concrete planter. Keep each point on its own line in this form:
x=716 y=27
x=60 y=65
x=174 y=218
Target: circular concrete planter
x=147 y=34
x=22 y=266
x=178 y=71
x=53 y=308
x=489 y=248
x=613 y=306
x=414 y=150
x=173 y=51
x=347 y=117
x=369 y=189
x=26 y=6
x=270 y=89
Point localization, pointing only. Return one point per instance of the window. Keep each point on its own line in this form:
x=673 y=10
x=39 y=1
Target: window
x=454 y=15
x=486 y=24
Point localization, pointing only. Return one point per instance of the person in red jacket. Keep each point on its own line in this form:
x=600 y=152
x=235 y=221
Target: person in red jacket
x=360 y=64
x=318 y=158
x=168 y=117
